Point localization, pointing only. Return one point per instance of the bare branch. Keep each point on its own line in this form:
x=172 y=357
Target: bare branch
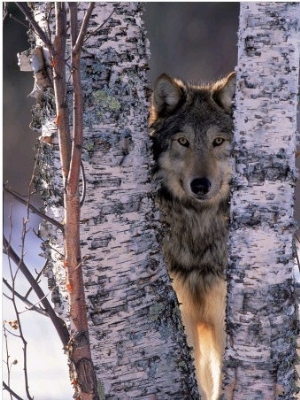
x=32 y=208
x=73 y=22
x=10 y=332
x=5 y=387
x=100 y=27
x=57 y=322
x=37 y=29
x=83 y=193
x=25 y=301
x=80 y=354
x=60 y=89
x=5 y=12
x=74 y=173
x=39 y=274
x=18 y=326
x=18 y=21
x=83 y=29
x=8 y=365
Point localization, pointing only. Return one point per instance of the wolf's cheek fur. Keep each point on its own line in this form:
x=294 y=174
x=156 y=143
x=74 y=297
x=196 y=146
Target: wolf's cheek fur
x=170 y=173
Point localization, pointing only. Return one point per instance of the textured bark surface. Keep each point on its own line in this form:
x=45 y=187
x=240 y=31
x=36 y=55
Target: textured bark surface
x=138 y=345
x=261 y=317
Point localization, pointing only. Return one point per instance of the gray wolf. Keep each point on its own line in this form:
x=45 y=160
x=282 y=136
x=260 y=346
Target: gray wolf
x=191 y=128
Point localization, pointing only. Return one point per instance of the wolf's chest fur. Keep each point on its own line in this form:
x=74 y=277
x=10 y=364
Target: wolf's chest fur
x=197 y=242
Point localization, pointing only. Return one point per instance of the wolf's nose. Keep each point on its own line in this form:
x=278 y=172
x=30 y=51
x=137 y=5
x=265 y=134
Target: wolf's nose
x=200 y=186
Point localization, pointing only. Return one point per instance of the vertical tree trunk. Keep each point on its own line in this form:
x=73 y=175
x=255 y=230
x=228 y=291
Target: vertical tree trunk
x=137 y=341
x=261 y=318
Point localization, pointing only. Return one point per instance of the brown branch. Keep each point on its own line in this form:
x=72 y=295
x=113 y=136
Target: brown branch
x=73 y=22
x=74 y=173
x=84 y=25
x=32 y=208
x=60 y=89
x=81 y=352
x=77 y=41
x=57 y=322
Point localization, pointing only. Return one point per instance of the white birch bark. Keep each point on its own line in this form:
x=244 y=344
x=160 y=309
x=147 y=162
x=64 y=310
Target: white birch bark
x=137 y=341
x=261 y=317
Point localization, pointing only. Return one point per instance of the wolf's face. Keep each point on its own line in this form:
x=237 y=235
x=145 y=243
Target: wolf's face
x=191 y=128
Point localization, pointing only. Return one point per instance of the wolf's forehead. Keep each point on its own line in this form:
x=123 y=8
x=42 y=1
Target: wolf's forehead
x=195 y=130
x=204 y=115
x=207 y=116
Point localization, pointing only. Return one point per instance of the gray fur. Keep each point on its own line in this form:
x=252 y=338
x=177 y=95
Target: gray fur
x=198 y=238
x=191 y=128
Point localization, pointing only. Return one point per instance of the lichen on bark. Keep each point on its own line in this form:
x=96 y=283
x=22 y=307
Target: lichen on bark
x=262 y=312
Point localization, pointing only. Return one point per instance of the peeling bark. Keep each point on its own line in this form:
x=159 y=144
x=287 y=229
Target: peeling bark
x=261 y=316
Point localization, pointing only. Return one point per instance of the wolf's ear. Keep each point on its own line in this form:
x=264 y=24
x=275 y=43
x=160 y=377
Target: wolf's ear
x=167 y=94
x=223 y=92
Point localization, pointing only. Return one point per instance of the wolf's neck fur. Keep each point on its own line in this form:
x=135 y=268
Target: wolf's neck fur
x=197 y=242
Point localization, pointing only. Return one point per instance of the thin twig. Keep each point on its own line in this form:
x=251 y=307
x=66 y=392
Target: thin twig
x=8 y=367
x=10 y=332
x=32 y=208
x=19 y=324
x=5 y=12
x=18 y=21
x=99 y=28
x=25 y=301
x=37 y=277
x=51 y=7
x=296 y=248
x=57 y=322
x=83 y=192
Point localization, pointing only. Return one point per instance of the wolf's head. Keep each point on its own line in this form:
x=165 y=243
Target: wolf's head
x=191 y=127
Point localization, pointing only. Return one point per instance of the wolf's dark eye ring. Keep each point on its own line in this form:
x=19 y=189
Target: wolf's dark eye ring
x=218 y=141
x=183 y=141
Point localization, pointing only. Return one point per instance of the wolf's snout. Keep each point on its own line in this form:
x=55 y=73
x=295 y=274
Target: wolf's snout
x=200 y=186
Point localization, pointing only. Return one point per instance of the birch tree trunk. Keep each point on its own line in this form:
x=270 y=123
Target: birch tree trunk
x=261 y=315
x=137 y=341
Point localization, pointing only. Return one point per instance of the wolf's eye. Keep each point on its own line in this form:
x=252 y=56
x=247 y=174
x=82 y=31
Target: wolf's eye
x=218 y=141
x=183 y=141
